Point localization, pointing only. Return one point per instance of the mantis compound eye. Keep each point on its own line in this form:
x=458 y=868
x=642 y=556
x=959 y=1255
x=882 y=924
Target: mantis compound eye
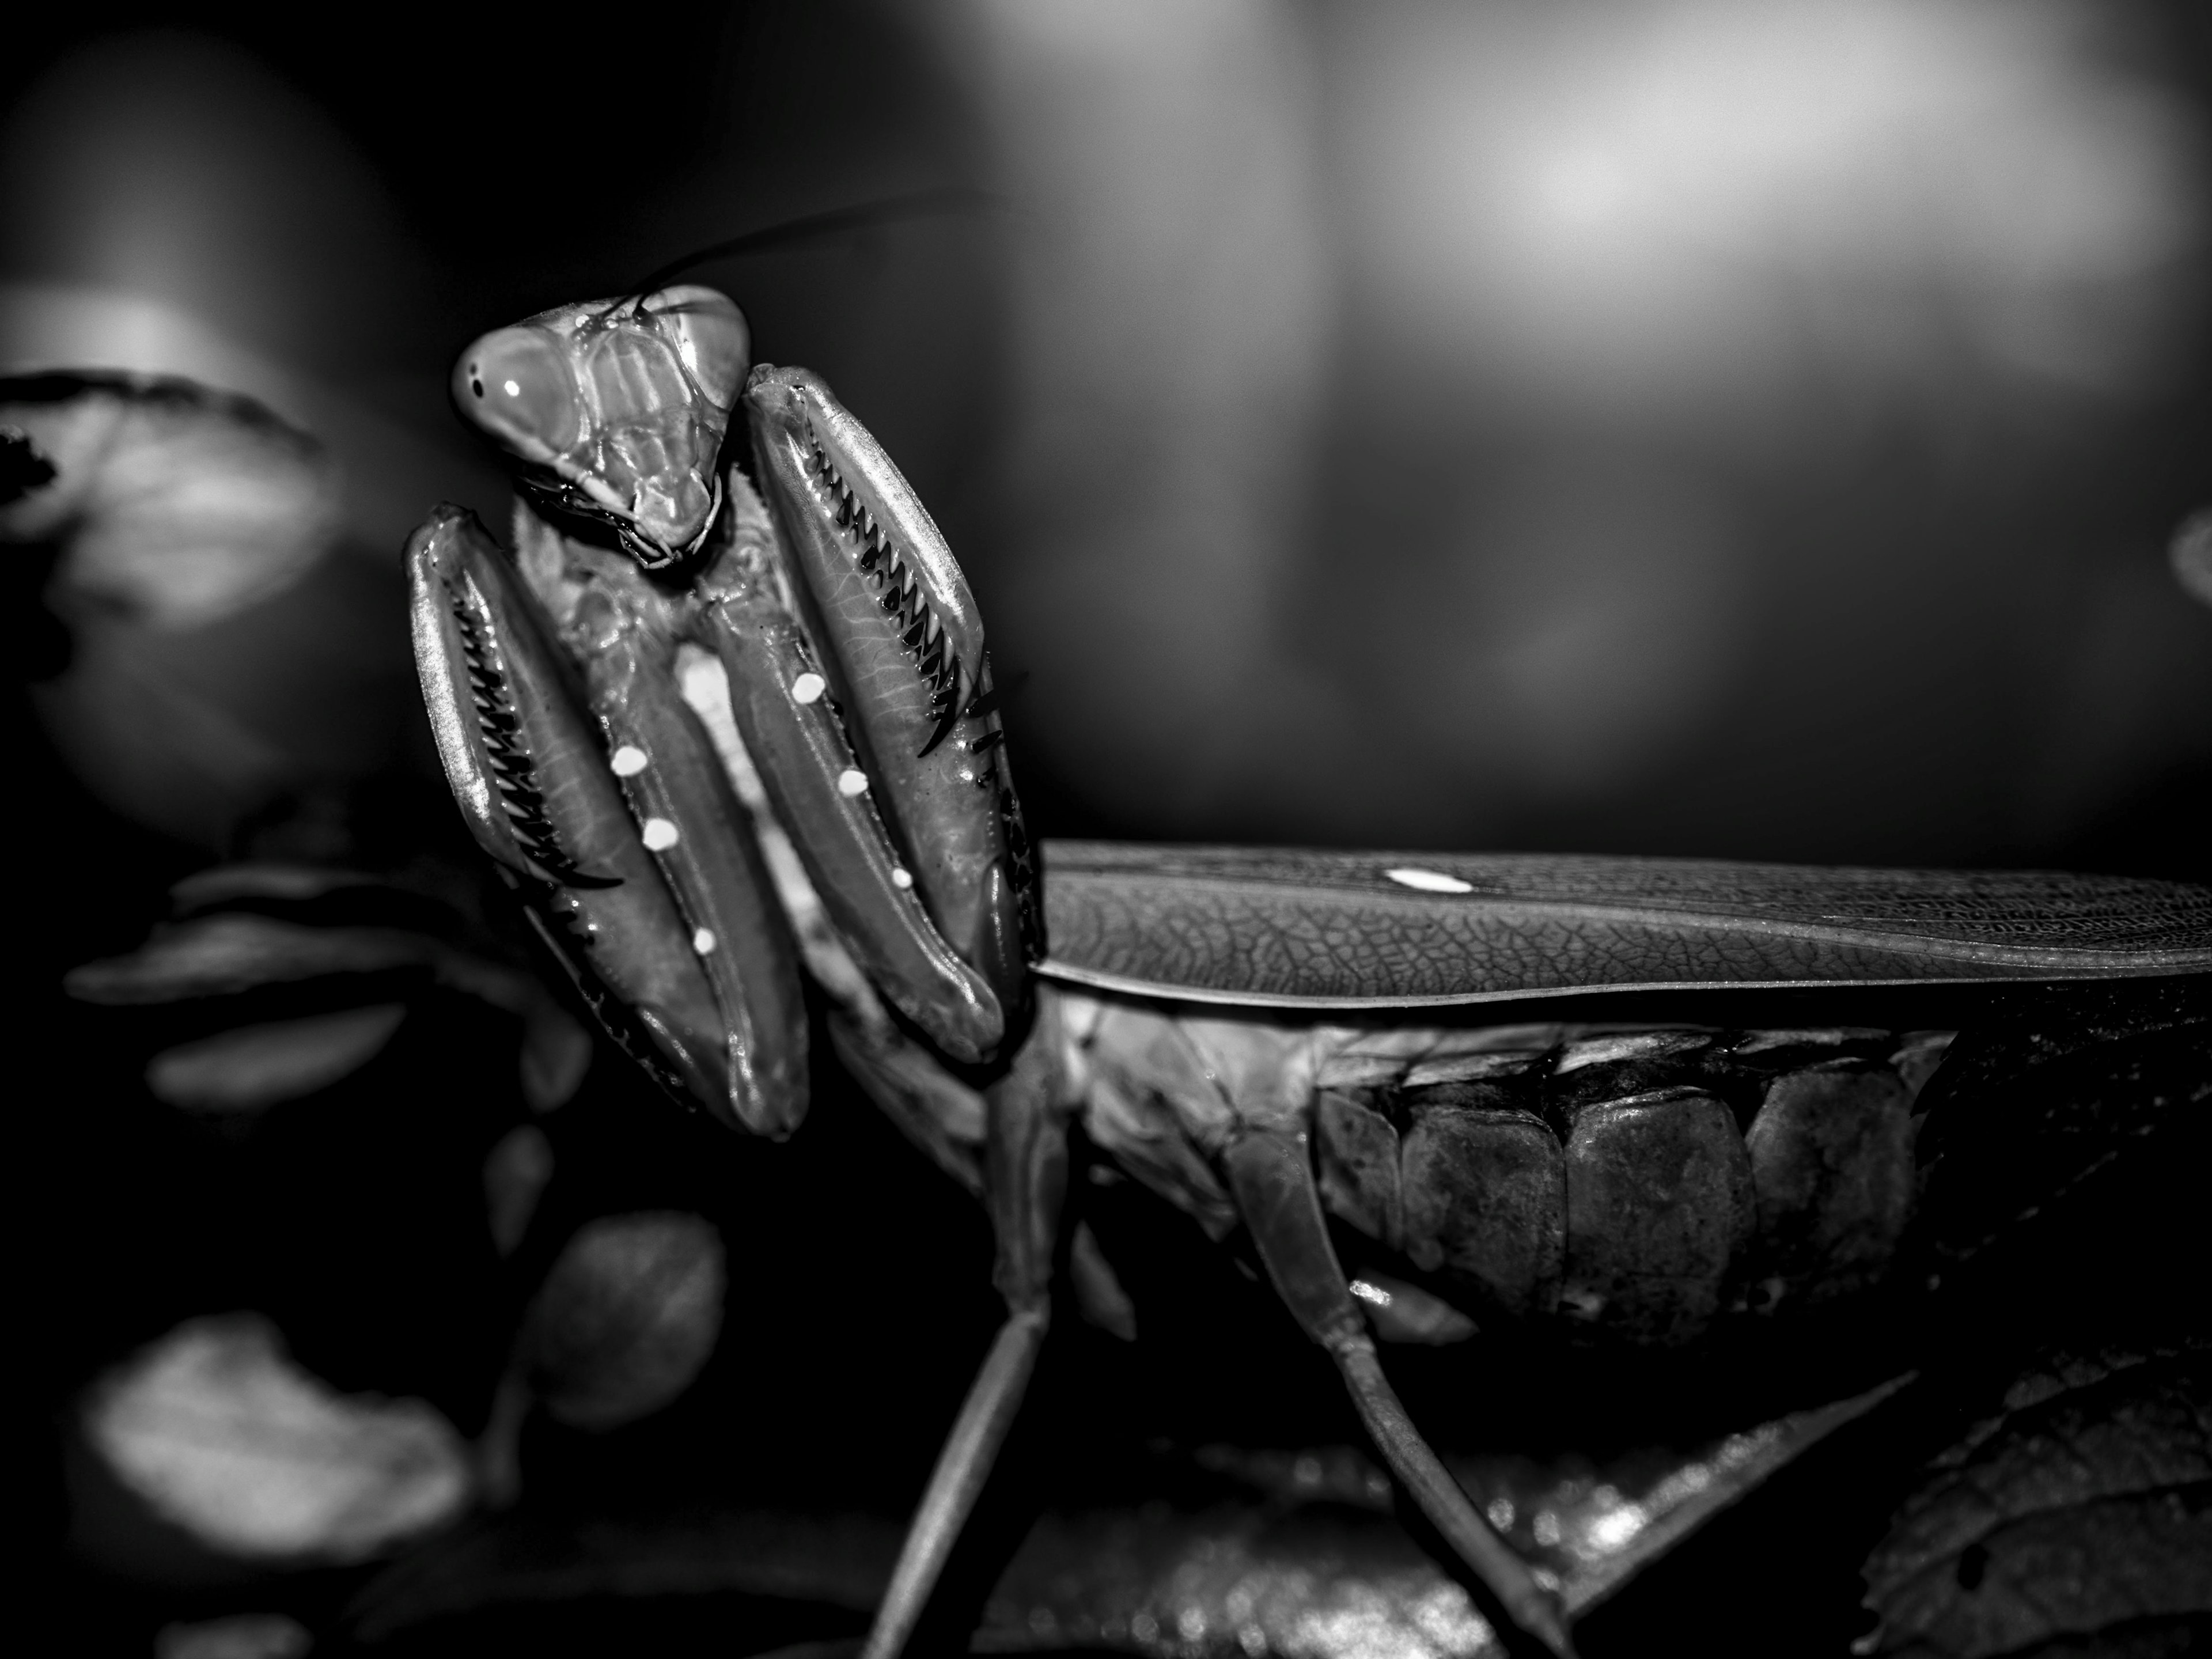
x=515 y=383
x=709 y=331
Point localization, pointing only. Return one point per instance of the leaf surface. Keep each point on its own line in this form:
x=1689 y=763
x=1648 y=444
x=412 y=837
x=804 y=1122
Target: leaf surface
x=178 y=503
x=2077 y=1519
x=627 y=1317
x=254 y=1067
x=223 y=1436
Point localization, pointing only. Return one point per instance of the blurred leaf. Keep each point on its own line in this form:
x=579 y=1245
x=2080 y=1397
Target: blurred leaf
x=246 y=927
x=214 y=657
x=222 y=1436
x=2191 y=553
x=22 y=468
x=223 y=955
x=627 y=1318
x=177 y=503
x=242 y=1636
x=224 y=884
x=516 y=1171
x=2077 y=1519
x=254 y=1067
x=556 y=1053
x=319 y=890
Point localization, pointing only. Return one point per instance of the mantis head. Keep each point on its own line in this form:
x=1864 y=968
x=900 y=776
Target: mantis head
x=614 y=410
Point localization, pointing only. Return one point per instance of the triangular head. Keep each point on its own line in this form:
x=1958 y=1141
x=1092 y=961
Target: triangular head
x=614 y=410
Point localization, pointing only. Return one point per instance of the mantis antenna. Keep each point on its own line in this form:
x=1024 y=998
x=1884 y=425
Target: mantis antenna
x=949 y=202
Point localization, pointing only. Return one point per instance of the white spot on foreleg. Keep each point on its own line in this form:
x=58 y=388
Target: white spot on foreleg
x=808 y=688
x=703 y=942
x=852 y=781
x=628 y=761
x=660 y=834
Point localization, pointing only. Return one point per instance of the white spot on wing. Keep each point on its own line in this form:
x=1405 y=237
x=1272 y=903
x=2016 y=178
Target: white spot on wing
x=852 y=781
x=513 y=390
x=703 y=942
x=660 y=834
x=628 y=761
x=808 y=688
x=1429 y=881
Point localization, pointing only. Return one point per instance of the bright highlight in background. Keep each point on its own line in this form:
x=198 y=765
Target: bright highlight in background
x=1615 y=202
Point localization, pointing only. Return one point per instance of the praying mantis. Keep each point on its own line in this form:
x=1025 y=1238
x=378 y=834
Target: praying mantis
x=730 y=727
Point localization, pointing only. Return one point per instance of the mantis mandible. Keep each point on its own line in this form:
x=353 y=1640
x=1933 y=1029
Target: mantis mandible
x=716 y=721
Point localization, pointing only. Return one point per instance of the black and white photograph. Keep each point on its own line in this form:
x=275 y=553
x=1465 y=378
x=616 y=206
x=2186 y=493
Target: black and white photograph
x=1139 y=829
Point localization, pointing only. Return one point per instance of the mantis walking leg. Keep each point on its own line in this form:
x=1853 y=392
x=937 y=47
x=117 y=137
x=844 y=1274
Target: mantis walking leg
x=1270 y=1175
x=1025 y=1182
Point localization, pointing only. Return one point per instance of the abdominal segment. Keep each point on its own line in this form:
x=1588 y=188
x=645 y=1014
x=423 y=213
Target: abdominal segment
x=1633 y=1186
x=1637 y=1185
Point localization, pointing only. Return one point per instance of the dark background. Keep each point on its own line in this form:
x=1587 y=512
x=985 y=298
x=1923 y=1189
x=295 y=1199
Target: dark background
x=1668 y=429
